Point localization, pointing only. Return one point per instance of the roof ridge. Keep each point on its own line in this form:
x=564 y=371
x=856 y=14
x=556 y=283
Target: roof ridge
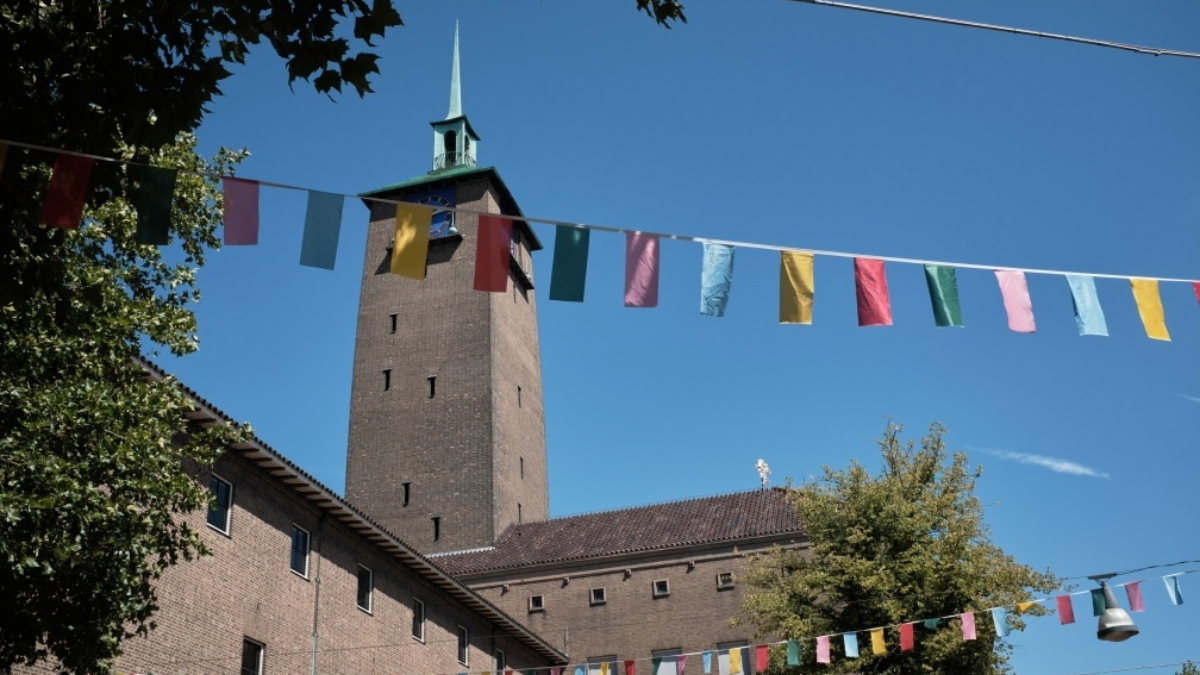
x=653 y=504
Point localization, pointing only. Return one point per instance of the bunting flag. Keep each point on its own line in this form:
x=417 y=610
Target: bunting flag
x=655 y=664
x=1088 y=314
x=906 y=637
x=569 y=272
x=943 y=293
x=680 y=662
x=641 y=270
x=603 y=664
x=735 y=660
x=793 y=652
x=1195 y=284
x=1066 y=613
x=871 y=290
x=557 y=670
x=1023 y=607
x=1098 y=605
x=1000 y=619
x=1133 y=590
x=580 y=670
x=630 y=667
x=67 y=192
x=850 y=643
x=1149 y=304
x=932 y=624
x=493 y=252
x=1173 y=591
x=1017 y=303
x=795 y=287
x=706 y=657
x=152 y=199
x=322 y=227
x=716 y=277
x=410 y=248
x=240 y=206
x=968 y=625
x=823 y=649
x=877 y=645
x=761 y=658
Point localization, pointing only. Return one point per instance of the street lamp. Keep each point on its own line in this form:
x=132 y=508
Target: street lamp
x=1115 y=624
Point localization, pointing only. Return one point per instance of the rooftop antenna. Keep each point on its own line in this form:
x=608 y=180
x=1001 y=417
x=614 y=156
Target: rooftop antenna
x=764 y=472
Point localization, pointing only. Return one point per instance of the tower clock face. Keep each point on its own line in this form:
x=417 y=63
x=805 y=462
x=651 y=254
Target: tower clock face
x=443 y=221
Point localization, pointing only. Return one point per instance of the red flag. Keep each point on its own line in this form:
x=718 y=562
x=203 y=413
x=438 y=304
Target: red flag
x=760 y=658
x=1196 y=289
x=492 y=254
x=1066 y=613
x=906 y=629
x=241 y=211
x=67 y=192
x=870 y=285
x=629 y=667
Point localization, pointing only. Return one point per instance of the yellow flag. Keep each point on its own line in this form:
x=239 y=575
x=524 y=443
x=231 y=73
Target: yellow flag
x=1145 y=294
x=603 y=668
x=795 y=287
x=735 y=660
x=1022 y=606
x=411 y=246
x=877 y=646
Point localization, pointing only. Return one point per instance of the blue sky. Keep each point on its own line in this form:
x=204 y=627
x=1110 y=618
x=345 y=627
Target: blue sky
x=791 y=124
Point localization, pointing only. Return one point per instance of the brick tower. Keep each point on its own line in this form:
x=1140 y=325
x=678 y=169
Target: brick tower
x=447 y=434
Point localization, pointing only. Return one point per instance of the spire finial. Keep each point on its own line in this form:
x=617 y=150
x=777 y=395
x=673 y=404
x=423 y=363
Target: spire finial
x=455 y=85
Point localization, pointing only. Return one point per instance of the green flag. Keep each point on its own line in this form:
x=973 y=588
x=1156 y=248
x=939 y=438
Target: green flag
x=569 y=274
x=1098 y=605
x=943 y=292
x=793 y=652
x=155 y=189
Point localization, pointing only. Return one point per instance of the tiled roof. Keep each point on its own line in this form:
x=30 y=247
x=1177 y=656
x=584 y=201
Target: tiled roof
x=741 y=515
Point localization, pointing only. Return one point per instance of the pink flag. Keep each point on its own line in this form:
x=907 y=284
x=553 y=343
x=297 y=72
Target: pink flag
x=1196 y=289
x=823 y=649
x=870 y=285
x=492 y=254
x=906 y=637
x=556 y=671
x=241 y=211
x=1066 y=613
x=760 y=658
x=968 y=625
x=1133 y=589
x=679 y=663
x=641 y=270
x=67 y=192
x=1016 y=301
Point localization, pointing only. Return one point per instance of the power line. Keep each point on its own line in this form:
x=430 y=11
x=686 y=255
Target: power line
x=1155 y=51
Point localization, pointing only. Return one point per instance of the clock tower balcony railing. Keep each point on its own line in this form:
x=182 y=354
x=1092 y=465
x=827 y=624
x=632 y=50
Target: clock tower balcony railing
x=450 y=160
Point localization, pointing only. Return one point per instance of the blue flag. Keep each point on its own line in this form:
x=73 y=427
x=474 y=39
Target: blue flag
x=1172 y=583
x=322 y=224
x=716 y=277
x=1000 y=618
x=707 y=656
x=851 y=642
x=1088 y=314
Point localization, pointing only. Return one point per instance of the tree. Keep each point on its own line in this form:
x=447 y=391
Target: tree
x=1188 y=668
x=907 y=544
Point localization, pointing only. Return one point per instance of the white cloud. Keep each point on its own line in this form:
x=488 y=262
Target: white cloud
x=1193 y=399
x=1055 y=464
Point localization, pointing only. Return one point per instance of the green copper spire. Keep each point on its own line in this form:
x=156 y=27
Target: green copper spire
x=455 y=84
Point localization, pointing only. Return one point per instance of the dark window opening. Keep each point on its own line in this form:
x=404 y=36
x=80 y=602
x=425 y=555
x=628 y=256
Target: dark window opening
x=518 y=513
x=418 y=622
x=450 y=146
x=598 y=596
x=501 y=662
x=366 y=586
x=300 y=551
x=464 y=641
x=219 y=508
x=252 y=657
x=387 y=379
x=407 y=493
x=432 y=385
x=518 y=396
x=393 y=317
x=437 y=527
x=662 y=588
x=522 y=467
x=537 y=603
x=724 y=580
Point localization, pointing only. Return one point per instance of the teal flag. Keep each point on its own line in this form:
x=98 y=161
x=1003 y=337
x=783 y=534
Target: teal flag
x=569 y=274
x=1088 y=314
x=152 y=199
x=793 y=652
x=943 y=293
x=1098 y=605
x=322 y=225
x=932 y=624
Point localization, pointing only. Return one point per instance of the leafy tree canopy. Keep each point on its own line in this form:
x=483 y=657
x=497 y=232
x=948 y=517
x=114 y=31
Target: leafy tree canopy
x=905 y=544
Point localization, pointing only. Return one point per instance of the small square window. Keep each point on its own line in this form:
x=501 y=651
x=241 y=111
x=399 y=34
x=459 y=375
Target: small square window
x=219 y=508
x=366 y=588
x=252 y=657
x=300 y=551
x=418 y=627
x=598 y=596
x=537 y=603
x=662 y=588
x=464 y=642
x=724 y=580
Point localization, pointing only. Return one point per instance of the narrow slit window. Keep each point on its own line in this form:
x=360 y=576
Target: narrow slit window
x=518 y=513
x=464 y=643
x=432 y=385
x=501 y=662
x=407 y=493
x=366 y=588
x=219 y=508
x=387 y=379
x=418 y=622
x=518 y=396
x=300 y=551
x=393 y=318
x=437 y=527
x=522 y=467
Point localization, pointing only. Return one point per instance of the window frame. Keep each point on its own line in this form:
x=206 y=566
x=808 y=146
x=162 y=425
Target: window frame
x=666 y=588
x=464 y=646
x=228 y=507
x=500 y=660
x=723 y=585
x=540 y=605
x=307 y=551
x=415 y=623
x=369 y=609
x=262 y=654
x=603 y=599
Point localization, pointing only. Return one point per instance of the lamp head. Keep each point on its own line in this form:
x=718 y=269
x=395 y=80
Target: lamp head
x=1115 y=624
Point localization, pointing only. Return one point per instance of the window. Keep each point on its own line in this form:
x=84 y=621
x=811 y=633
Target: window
x=501 y=662
x=393 y=318
x=464 y=642
x=366 y=588
x=537 y=603
x=300 y=551
x=437 y=527
x=518 y=397
x=661 y=588
x=724 y=580
x=598 y=596
x=219 y=508
x=418 y=627
x=667 y=660
x=518 y=513
x=432 y=385
x=723 y=655
x=387 y=379
x=522 y=467
x=252 y=657
x=407 y=492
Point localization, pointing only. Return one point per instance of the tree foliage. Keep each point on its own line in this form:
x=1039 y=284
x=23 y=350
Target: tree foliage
x=905 y=544
x=1188 y=668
